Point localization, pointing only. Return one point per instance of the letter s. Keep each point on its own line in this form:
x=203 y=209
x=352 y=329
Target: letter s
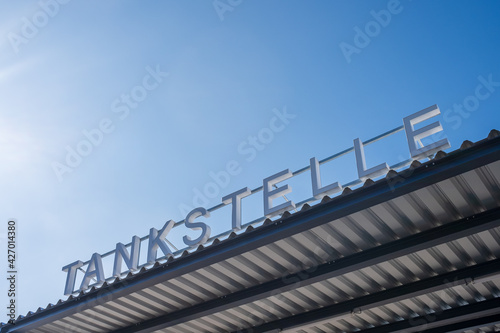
x=205 y=229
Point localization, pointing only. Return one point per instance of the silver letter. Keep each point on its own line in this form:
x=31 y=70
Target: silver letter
x=270 y=194
x=71 y=277
x=373 y=172
x=318 y=191
x=131 y=260
x=235 y=199
x=156 y=241
x=205 y=229
x=94 y=269
x=413 y=135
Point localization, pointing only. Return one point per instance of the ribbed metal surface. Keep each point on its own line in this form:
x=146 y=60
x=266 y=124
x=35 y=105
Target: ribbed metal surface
x=395 y=272
x=444 y=202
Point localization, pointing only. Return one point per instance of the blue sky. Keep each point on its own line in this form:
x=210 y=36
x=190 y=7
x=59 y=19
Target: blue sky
x=222 y=71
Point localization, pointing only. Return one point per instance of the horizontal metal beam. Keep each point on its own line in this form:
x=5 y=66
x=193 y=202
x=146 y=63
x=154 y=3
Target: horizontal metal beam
x=447 y=321
x=430 y=173
x=411 y=244
x=396 y=294
x=467 y=325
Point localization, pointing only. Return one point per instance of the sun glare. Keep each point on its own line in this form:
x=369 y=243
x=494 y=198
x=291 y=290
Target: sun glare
x=18 y=148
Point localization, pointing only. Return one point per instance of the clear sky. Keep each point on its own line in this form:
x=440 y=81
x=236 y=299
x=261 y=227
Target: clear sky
x=171 y=92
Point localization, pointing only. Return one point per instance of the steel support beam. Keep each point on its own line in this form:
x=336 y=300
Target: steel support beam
x=448 y=321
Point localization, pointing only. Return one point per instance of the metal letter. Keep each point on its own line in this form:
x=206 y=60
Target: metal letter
x=131 y=260
x=235 y=199
x=318 y=191
x=156 y=240
x=270 y=194
x=373 y=172
x=413 y=135
x=94 y=269
x=205 y=229
x=71 y=277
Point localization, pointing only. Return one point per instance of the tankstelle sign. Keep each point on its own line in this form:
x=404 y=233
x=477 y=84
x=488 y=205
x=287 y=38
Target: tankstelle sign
x=157 y=238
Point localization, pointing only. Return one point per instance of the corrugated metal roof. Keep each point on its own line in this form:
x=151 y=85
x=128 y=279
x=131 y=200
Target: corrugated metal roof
x=416 y=251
